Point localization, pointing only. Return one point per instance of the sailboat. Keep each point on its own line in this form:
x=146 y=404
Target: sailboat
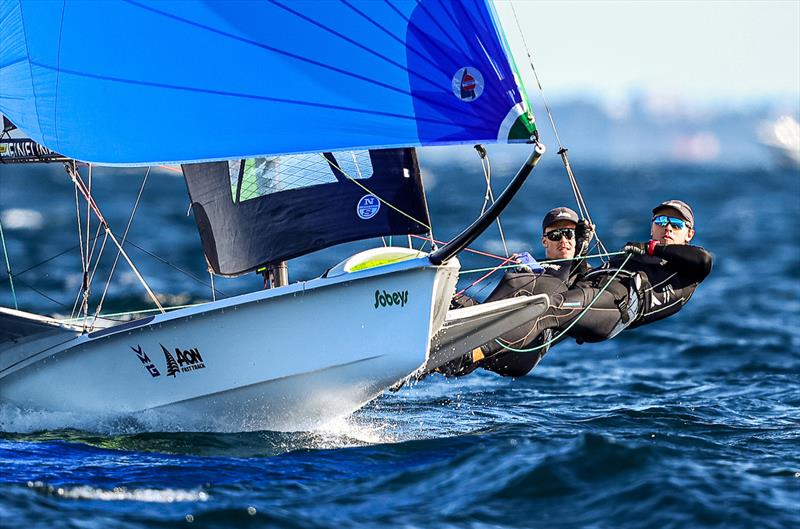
x=295 y=126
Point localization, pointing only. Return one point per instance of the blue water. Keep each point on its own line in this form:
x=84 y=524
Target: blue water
x=690 y=422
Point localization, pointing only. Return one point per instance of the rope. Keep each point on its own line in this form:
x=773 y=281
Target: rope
x=486 y=165
x=576 y=320
x=71 y=248
x=491 y=271
x=8 y=267
x=427 y=212
x=470 y=250
x=365 y=188
x=477 y=270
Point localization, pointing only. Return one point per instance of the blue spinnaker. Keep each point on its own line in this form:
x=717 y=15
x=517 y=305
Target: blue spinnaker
x=130 y=82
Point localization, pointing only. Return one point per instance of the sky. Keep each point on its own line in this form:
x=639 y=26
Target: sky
x=714 y=53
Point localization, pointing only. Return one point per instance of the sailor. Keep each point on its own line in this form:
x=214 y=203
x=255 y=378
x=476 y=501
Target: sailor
x=562 y=234
x=667 y=268
x=563 y=237
x=653 y=281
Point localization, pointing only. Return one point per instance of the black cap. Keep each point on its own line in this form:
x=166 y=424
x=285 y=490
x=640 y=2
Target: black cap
x=680 y=206
x=557 y=214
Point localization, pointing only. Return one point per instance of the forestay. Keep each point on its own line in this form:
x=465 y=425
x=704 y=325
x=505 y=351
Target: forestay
x=131 y=82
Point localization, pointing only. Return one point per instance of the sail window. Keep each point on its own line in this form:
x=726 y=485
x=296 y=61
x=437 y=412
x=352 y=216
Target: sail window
x=257 y=177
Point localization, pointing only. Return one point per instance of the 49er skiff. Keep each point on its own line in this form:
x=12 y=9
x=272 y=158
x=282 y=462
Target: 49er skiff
x=236 y=97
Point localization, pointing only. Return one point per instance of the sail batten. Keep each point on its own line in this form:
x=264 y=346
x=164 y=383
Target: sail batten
x=133 y=82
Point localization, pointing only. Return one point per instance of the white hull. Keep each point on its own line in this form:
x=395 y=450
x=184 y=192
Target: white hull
x=284 y=359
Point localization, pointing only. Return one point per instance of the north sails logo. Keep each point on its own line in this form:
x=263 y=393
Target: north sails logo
x=368 y=207
x=187 y=360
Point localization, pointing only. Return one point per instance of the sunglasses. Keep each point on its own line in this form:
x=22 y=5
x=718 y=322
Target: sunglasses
x=557 y=234
x=664 y=220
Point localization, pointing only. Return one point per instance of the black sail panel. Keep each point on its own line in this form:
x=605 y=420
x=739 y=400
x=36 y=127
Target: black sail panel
x=259 y=211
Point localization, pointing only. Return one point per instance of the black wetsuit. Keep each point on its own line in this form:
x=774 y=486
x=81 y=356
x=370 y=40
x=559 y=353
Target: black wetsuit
x=649 y=288
x=669 y=278
x=556 y=278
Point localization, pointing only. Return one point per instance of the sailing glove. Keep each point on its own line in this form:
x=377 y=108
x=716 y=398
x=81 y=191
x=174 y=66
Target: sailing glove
x=527 y=263
x=635 y=248
x=584 y=233
x=584 y=230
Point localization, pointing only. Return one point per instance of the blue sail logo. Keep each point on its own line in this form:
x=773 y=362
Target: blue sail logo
x=368 y=207
x=467 y=84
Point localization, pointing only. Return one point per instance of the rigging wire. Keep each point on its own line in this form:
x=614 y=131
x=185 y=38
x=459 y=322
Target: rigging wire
x=86 y=279
x=485 y=276
x=78 y=181
x=26 y=284
x=581 y=202
x=382 y=200
x=134 y=312
x=470 y=250
x=74 y=247
x=175 y=267
x=124 y=237
x=80 y=245
x=8 y=266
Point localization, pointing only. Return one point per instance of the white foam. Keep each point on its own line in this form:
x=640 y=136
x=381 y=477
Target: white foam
x=85 y=492
x=349 y=431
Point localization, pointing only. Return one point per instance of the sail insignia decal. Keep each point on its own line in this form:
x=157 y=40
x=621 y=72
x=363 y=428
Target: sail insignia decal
x=368 y=207
x=468 y=84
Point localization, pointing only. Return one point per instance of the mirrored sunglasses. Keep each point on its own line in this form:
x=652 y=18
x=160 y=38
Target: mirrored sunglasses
x=664 y=220
x=558 y=233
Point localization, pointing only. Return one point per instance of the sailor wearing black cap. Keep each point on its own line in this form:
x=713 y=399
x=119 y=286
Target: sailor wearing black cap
x=655 y=281
x=564 y=236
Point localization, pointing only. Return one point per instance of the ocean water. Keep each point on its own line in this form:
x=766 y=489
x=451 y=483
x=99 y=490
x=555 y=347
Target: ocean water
x=690 y=422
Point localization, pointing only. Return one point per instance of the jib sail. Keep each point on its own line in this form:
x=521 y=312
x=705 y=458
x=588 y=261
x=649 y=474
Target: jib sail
x=257 y=211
